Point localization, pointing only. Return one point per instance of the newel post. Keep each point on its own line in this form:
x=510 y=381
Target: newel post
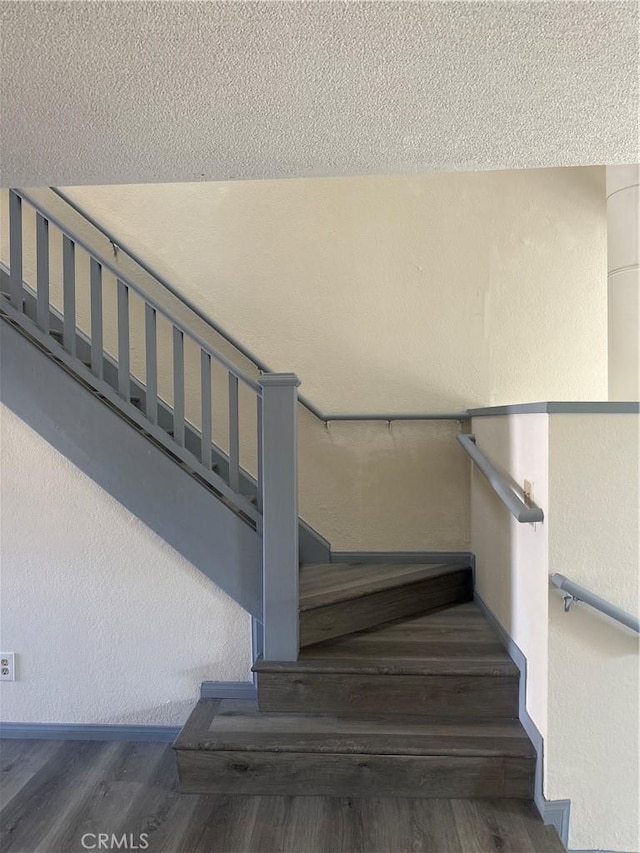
x=280 y=557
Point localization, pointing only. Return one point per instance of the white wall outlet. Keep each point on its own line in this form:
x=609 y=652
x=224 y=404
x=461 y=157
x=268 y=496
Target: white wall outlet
x=7 y=666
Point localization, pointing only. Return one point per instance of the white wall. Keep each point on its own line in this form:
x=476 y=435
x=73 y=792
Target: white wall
x=593 y=744
x=583 y=685
x=512 y=562
x=110 y=625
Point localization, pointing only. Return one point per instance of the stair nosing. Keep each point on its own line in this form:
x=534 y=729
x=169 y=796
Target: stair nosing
x=507 y=669
x=514 y=745
x=527 y=752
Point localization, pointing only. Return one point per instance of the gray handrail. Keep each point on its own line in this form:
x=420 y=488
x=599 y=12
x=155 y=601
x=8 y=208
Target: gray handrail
x=275 y=515
x=500 y=485
x=575 y=592
x=230 y=339
x=159 y=298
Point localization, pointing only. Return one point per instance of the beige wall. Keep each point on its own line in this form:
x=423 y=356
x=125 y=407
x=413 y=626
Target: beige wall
x=395 y=294
x=385 y=294
x=583 y=681
x=110 y=625
x=364 y=486
x=593 y=744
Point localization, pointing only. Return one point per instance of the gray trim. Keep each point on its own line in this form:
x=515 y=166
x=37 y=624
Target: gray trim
x=522 y=512
x=257 y=638
x=580 y=593
x=570 y=408
x=257 y=646
x=433 y=416
x=228 y=690
x=87 y=731
x=313 y=547
x=135 y=471
x=553 y=812
x=239 y=502
x=280 y=551
x=445 y=557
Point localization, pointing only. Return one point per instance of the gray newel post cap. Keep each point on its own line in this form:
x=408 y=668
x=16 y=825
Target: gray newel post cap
x=271 y=379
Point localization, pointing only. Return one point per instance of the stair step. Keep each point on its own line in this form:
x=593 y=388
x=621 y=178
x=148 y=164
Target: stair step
x=444 y=663
x=229 y=747
x=339 y=598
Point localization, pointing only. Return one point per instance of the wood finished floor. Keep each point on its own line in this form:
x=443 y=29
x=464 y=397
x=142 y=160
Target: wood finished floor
x=53 y=792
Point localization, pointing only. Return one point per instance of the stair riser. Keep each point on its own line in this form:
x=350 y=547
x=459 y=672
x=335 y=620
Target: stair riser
x=347 y=617
x=464 y=697
x=288 y=774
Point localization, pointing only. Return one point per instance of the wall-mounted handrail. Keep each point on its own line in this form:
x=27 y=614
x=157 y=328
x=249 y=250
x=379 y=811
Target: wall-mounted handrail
x=244 y=351
x=500 y=485
x=575 y=592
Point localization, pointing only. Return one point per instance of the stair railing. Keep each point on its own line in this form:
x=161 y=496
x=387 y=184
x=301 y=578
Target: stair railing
x=251 y=357
x=521 y=511
x=58 y=329
x=575 y=593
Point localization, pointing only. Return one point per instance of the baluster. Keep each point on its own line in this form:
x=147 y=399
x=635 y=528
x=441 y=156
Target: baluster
x=178 y=386
x=151 y=353
x=234 y=435
x=205 y=395
x=259 y=432
x=124 y=379
x=15 y=249
x=96 y=319
x=69 y=294
x=42 y=271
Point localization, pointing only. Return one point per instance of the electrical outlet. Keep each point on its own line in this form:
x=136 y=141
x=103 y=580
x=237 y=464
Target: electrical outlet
x=7 y=666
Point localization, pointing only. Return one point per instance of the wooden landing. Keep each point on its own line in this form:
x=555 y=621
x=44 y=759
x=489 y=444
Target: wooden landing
x=55 y=791
x=229 y=746
x=340 y=599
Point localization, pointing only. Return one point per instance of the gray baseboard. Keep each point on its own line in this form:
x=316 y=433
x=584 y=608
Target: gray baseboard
x=86 y=731
x=402 y=557
x=228 y=690
x=555 y=813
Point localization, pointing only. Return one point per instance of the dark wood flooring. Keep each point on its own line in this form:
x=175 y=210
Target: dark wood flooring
x=54 y=792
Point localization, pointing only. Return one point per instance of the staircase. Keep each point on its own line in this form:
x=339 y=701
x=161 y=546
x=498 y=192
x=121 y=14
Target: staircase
x=425 y=705
x=376 y=679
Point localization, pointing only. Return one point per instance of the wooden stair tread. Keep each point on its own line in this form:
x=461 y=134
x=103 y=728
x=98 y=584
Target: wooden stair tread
x=456 y=641
x=238 y=726
x=323 y=584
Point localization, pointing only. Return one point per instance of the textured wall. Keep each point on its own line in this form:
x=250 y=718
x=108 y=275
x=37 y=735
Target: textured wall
x=583 y=676
x=373 y=486
x=384 y=294
x=104 y=92
x=512 y=560
x=110 y=625
x=392 y=294
x=593 y=745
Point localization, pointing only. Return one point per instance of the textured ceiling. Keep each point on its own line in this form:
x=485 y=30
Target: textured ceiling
x=96 y=92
